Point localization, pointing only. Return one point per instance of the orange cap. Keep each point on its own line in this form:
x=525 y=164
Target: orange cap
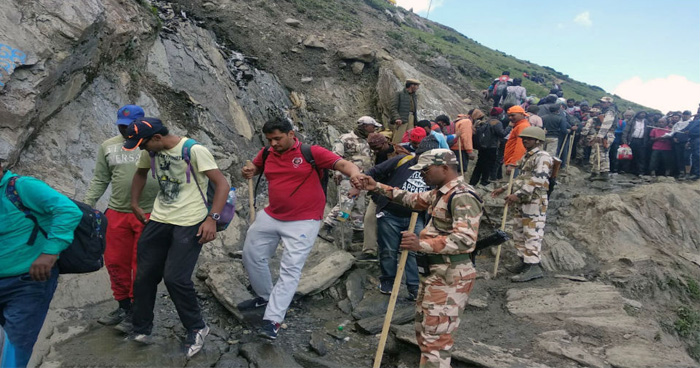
x=517 y=109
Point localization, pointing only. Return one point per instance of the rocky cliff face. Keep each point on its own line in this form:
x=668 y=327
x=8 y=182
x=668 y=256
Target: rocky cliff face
x=216 y=71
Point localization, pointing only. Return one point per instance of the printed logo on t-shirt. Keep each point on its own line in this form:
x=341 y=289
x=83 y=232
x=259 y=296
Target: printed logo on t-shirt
x=296 y=161
x=415 y=183
x=167 y=179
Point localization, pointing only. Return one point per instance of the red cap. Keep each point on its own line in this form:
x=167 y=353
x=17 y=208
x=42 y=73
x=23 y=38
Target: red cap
x=417 y=135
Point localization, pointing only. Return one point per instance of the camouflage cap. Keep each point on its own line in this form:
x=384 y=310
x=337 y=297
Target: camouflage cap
x=606 y=99
x=413 y=81
x=596 y=110
x=440 y=156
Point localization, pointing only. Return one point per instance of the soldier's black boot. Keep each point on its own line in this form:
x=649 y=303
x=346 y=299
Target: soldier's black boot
x=518 y=267
x=532 y=271
x=326 y=233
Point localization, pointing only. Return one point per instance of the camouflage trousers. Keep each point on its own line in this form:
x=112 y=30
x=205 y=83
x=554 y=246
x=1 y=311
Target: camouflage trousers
x=604 y=159
x=439 y=307
x=357 y=214
x=528 y=229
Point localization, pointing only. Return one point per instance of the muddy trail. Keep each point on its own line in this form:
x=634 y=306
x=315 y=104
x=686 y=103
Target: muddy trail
x=585 y=312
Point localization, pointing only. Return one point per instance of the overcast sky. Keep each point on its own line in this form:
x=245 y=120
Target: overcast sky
x=645 y=51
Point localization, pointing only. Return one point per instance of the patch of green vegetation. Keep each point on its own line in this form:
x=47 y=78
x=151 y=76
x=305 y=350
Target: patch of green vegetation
x=396 y=35
x=336 y=11
x=693 y=289
x=687 y=325
x=380 y=5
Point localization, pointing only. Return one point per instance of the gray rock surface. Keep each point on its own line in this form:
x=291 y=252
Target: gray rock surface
x=355 y=286
x=363 y=53
x=357 y=67
x=265 y=354
x=292 y=22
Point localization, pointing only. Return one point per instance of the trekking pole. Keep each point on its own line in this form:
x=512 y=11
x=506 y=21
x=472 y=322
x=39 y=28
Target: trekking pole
x=251 y=195
x=571 y=148
x=459 y=146
x=503 y=222
x=394 y=296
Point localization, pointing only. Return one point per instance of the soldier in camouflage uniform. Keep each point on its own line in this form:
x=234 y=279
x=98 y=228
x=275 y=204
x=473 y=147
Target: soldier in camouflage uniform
x=530 y=198
x=598 y=133
x=353 y=147
x=448 y=239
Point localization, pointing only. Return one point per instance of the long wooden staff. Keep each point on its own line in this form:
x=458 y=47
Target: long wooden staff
x=461 y=164
x=251 y=195
x=394 y=295
x=571 y=148
x=503 y=222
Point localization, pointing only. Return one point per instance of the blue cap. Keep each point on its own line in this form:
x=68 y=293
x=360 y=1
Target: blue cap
x=129 y=113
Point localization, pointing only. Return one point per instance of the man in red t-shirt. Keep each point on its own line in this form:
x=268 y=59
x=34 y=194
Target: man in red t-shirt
x=293 y=216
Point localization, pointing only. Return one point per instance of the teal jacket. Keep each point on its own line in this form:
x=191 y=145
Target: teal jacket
x=56 y=213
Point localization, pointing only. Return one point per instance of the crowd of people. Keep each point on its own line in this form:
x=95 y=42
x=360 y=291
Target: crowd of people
x=157 y=223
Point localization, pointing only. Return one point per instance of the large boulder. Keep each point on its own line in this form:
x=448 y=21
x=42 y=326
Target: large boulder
x=363 y=53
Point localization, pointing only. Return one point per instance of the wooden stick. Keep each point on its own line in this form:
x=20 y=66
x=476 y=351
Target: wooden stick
x=394 y=296
x=597 y=151
x=561 y=150
x=503 y=223
x=571 y=148
x=251 y=195
x=459 y=146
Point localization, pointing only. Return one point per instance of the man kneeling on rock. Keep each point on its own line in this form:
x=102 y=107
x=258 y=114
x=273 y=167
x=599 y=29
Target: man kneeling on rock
x=530 y=196
x=293 y=216
x=447 y=241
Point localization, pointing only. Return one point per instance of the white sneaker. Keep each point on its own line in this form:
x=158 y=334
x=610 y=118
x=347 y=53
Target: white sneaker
x=195 y=341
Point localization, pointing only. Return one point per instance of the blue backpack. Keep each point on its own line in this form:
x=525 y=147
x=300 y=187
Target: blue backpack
x=229 y=208
x=85 y=253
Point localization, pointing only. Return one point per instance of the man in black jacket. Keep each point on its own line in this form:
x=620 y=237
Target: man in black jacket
x=488 y=150
x=392 y=218
x=636 y=135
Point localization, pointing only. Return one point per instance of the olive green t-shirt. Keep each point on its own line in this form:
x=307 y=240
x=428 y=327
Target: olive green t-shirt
x=116 y=166
x=178 y=202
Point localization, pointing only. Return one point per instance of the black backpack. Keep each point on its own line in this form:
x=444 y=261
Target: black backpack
x=482 y=135
x=323 y=174
x=84 y=254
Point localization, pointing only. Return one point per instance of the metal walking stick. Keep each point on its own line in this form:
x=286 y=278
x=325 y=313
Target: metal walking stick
x=394 y=295
x=503 y=223
x=251 y=195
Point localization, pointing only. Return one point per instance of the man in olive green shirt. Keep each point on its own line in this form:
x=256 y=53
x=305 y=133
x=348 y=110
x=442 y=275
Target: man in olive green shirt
x=117 y=167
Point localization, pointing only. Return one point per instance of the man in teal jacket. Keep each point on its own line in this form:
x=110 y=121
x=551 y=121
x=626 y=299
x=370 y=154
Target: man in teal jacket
x=28 y=275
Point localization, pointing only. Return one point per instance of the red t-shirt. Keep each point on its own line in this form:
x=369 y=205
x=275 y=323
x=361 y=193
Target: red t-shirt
x=287 y=171
x=661 y=144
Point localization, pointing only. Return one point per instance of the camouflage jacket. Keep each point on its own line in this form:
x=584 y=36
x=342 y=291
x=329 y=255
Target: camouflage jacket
x=533 y=181
x=605 y=127
x=447 y=232
x=354 y=149
x=594 y=128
